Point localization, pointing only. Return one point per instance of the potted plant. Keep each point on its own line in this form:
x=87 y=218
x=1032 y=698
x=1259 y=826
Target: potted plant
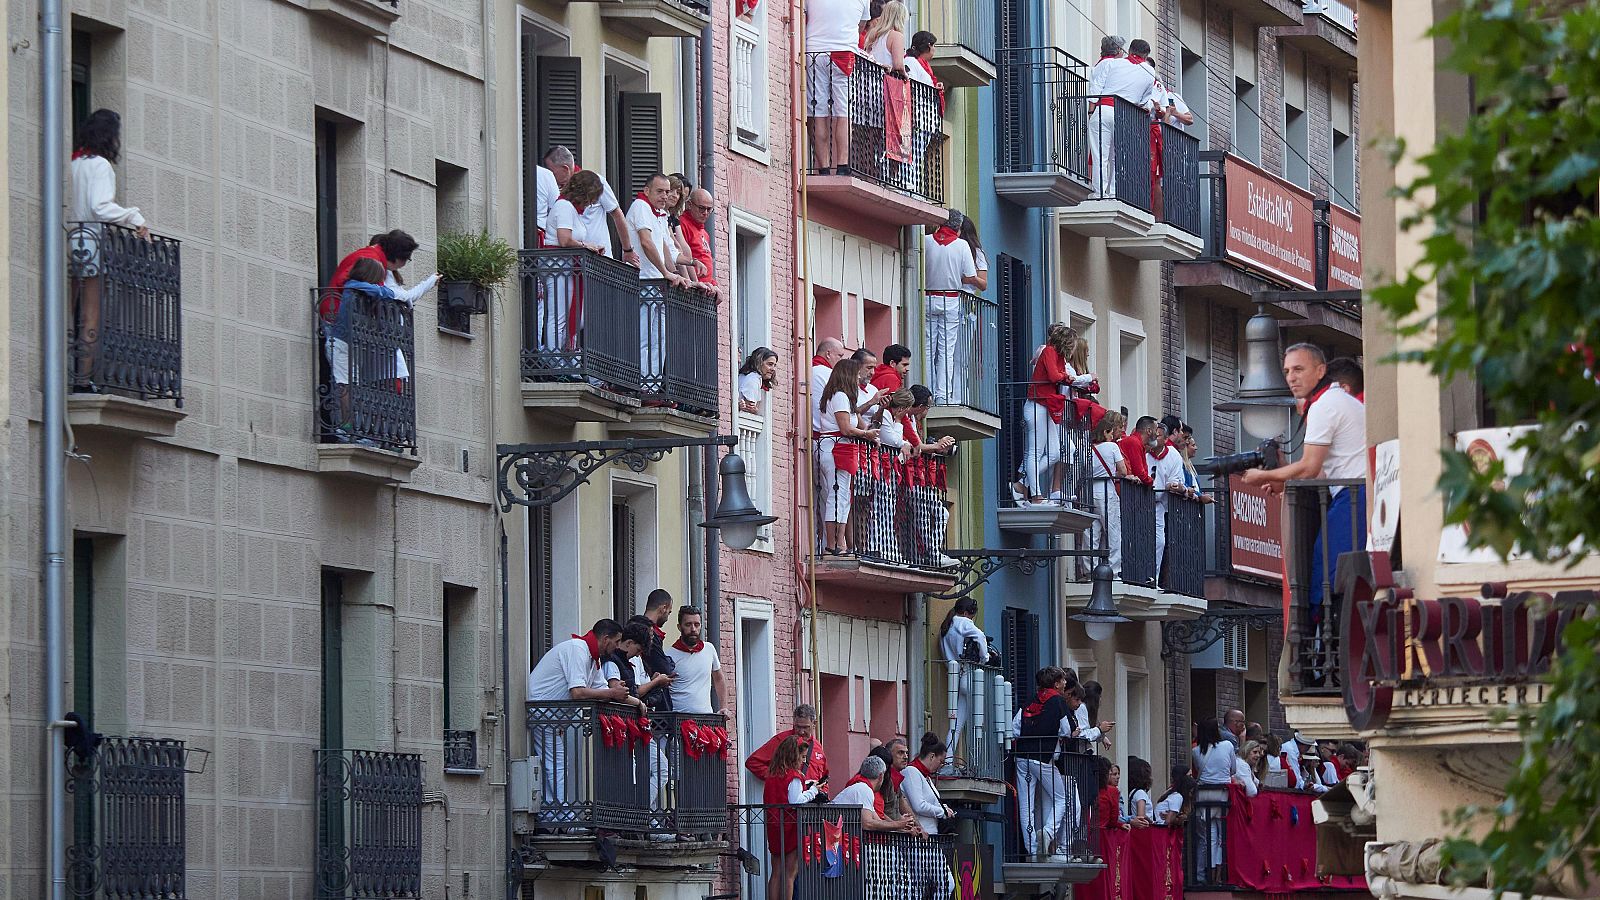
x=471 y=267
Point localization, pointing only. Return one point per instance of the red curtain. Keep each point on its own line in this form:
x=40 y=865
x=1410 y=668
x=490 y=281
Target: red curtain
x=1272 y=845
x=1141 y=864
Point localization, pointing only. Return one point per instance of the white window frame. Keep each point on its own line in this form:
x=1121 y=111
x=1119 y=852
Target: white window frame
x=759 y=468
x=643 y=497
x=1132 y=733
x=755 y=32
x=1136 y=396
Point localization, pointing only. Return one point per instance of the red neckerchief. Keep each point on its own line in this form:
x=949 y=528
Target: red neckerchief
x=580 y=207
x=1164 y=448
x=896 y=777
x=1283 y=760
x=877 y=798
x=80 y=154
x=1314 y=398
x=1037 y=706
x=680 y=645
x=652 y=206
x=660 y=635
x=819 y=361
x=1362 y=397
x=945 y=235
x=1136 y=60
x=593 y=642
x=917 y=764
x=938 y=86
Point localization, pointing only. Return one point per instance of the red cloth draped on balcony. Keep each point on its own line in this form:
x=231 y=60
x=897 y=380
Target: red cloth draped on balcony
x=1142 y=864
x=847 y=456
x=897 y=117
x=1272 y=845
x=624 y=731
x=703 y=739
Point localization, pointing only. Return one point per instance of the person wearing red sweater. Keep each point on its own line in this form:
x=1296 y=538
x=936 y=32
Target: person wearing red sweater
x=1144 y=439
x=805 y=729
x=890 y=375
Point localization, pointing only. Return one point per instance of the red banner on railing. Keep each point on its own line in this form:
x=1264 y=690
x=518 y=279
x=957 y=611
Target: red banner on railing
x=1269 y=224
x=1344 y=249
x=1255 y=530
x=1272 y=845
x=1141 y=864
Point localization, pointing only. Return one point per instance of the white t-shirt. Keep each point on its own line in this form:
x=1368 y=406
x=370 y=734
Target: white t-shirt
x=1165 y=471
x=588 y=227
x=833 y=25
x=1244 y=777
x=858 y=794
x=1137 y=795
x=917 y=73
x=961 y=628
x=891 y=432
x=750 y=387
x=568 y=665
x=980 y=258
x=1338 y=421
x=1214 y=766
x=94 y=194
x=691 y=692
x=609 y=671
x=1106 y=456
x=1175 y=100
x=1133 y=83
x=1171 y=803
x=819 y=380
x=863 y=396
x=943 y=266
x=838 y=403
x=546 y=192
x=643 y=217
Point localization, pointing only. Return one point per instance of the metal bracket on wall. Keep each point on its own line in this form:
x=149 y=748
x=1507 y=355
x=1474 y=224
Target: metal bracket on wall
x=536 y=475
x=978 y=566
x=1195 y=635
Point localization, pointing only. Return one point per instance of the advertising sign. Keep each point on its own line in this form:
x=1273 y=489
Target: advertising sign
x=1344 y=250
x=1482 y=446
x=1269 y=224
x=1385 y=503
x=1255 y=530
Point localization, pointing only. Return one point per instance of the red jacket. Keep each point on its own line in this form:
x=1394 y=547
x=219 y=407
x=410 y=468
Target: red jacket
x=1049 y=372
x=816 y=766
x=328 y=306
x=1133 y=451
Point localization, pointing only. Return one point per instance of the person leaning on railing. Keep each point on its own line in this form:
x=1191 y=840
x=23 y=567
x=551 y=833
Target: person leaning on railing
x=365 y=280
x=571 y=670
x=94 y=193
x=962 y=641
x=785 y=782
x=1172 y=810
x=839 y=461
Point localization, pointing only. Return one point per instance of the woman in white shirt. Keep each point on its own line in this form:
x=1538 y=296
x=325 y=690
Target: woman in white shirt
x=1244 y=767
x=887 y=490
x=1141 y=809
x=1213 y=764
x=755 y=380
x=1170 y=806
x=1108 y=468
x=839 y=460
x=1213 y=757
x=969 y=233
x=94 y=193
x=957 y=633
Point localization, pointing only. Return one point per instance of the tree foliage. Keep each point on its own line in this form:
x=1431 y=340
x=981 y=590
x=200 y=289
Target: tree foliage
x=1512 y=247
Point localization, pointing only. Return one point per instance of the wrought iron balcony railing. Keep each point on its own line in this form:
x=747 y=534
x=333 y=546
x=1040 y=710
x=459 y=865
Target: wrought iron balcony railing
x=896 y=125
x=678 y=331
x=580 y=319
x=1179 y=568
x=826 y=852
x=1180 y=179
x=1042 y=461
x=1184 y=568
x=1312 y=561
x=606 y=767
x=960 y=354
x=460 y=749
x=369 y=824
x=1120 y=132
x=896 y=507
x=1205 y=846
x=1044 y=113
x=1052 y=816
x=366 y=383
x=127 y=312
x=974 y=703
x=128 y=834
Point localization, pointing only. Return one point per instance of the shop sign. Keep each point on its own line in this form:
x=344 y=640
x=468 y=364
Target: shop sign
x=1344 y=249
x=1269 y=224
x=1255 y=530
x=1402 y=651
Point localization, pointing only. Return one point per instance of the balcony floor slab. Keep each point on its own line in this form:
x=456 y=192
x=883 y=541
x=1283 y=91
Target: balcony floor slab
x=1051 y=873
x=1162 y=241
x=665 y=422
x=1107 y=219
x=123 y=415
x=982 y=791
x=1140 y=603
x=653 y=18
x=631 y=851
x=368 y=464
x=880 y=577
x=962 y=423
x=957 y=65
x=1045 y=518
x=1041 y=189
x=862 y=197
x=577 y=401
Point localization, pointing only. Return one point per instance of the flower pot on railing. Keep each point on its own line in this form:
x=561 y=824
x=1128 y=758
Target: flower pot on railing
x=464 y=296
x=471 y=268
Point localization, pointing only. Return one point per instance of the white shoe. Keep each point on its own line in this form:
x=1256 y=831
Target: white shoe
x=1059 y=859
x=945 y=562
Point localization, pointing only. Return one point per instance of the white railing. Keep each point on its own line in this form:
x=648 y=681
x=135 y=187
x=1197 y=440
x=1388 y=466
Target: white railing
x=1338 y=13
x=755 y=448
x=745 y=54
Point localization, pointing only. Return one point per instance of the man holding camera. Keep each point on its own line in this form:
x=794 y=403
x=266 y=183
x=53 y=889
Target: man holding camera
x=1335 y=447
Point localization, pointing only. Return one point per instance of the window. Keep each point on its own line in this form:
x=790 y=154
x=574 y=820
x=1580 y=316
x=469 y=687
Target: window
x=1296 y=128
x=1022 y=652
x=1130 y=394
x=332 y=660
x=82 y=64
x=1013 y=277
x=459 y=671
x=752 y=328
x=748 y=64
x=633 y=128
x=633 y=547
x=541 y=589
x=98 y=638
x=451 y=215
x=1246 y=120
x=327 y=151
x=1132 y=708
x=1193 y=79
x=1343 y=175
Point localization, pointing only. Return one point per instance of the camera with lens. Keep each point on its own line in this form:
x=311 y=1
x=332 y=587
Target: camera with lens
x=1269 y=455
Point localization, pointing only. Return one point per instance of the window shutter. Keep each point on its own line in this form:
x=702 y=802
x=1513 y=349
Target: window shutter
x=639 y=137
x=1016 y=351
x=1022 y=653
x=541 y=591
x=624 y=570
x=559 y=87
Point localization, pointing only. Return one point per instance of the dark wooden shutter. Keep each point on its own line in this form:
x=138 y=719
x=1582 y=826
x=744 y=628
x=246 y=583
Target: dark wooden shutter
x=1022 y=653
x=1016 y=352
x=558 y=89
x=624 y=562
x=639 y=138
x=541 y=590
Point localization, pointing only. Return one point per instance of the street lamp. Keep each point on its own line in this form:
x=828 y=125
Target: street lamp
x=1263 y=401
x=1100 y=617
x=737 y=518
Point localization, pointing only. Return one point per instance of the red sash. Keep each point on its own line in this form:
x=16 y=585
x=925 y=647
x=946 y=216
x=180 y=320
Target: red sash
x=844 y=60
x=847 y=456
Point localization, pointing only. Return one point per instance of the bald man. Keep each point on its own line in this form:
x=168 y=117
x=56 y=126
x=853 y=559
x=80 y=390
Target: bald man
x=696 y=226
x=829 y=351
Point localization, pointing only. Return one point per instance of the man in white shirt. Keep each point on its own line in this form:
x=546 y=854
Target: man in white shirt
x=829 y=352
x=559 y=165
x=698 y=669
x=571 y=670
x=1113 y=76
x=833 y=29
x=948 y=268
x=1166 y=471
x=649 y=230
x=862 y=791
x=1335 y=447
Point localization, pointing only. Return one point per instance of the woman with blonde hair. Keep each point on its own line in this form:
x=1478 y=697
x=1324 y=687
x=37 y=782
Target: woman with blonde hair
x=885 y=43
x=1251 y=756
x=677 y=201
x=839 y=461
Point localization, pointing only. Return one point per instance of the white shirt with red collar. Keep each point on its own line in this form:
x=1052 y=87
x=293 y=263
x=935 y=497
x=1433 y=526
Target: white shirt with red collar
x=691 y=691
x=642 y=217
x=1114 y=75
x=569 y=664
x=944 y=265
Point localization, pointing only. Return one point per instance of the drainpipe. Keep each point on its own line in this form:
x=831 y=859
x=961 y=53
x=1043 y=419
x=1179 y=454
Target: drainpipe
x=698 y=550
x=53 y=481
x=708 y=137
x=505 y=708
x=713 y=540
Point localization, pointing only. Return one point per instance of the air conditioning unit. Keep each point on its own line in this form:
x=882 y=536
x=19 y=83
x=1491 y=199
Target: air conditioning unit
x=1232 y=652
x=527 y=778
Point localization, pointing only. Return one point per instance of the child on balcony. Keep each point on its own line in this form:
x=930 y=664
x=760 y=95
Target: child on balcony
x=344 y=368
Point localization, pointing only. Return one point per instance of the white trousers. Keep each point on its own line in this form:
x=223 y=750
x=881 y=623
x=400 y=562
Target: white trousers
x=652 y=337
x=555 y=307
x=930 y=522
x=1108 y=530
x=1103 y=170
x=1161 y=532
x=943 y=315
x=1041 y=805
x=834 y=485
x=1042 y=449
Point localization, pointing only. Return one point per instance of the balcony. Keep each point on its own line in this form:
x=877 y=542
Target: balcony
x=976 y=772
x=1052 y=833
x=1043 y=154
x=1270 y=241
x=1311 y=563
x=366 y=402
x=1044 y=459
x=1127 y=205
x=128 y=829
x=461 y=752
x=658 y=784
x=678 y=372
x=369 y=824
x=893 y=169
x=370 y=17
x=125 y=337
x=656 y=18
x=1327 y=34
x=1263 y=845
x=1265 y=13
x=834 y=856
x=960 y=359
x=1147 y=587
x=896 y=524
x=966 y=58
x=580 y=335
